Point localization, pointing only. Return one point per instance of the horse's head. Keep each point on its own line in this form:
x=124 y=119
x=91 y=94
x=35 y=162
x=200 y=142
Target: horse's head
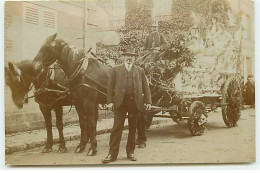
x=50 y=51
x=14 y=79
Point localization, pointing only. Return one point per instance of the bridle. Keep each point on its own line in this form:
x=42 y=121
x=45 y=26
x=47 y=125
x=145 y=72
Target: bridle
x=24 y=89
x=51 y=48
x=28 y=83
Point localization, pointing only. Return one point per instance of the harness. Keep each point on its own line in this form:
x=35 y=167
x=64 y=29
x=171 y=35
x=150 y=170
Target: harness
x=48 y=96
x=26 y=98
x=81 y=70
x=30 y=86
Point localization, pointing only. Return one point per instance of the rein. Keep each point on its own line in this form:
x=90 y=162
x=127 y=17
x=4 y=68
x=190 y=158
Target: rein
x=31 y=79
x=143 y=57
x=26 y=98
x=79 y=69
x=42 y=87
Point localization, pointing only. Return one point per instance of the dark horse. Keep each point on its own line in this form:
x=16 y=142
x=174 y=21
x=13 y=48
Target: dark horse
x=20 y=78
x=87 y=81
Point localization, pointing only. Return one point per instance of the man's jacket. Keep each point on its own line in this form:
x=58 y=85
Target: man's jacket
x=154 y=40
x=117 y=86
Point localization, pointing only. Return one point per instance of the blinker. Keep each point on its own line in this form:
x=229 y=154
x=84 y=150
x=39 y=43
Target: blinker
x=53 y=44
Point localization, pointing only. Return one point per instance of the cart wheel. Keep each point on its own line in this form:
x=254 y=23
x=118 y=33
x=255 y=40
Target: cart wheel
x=149 y=120
x=231 y=102
x=198 y=118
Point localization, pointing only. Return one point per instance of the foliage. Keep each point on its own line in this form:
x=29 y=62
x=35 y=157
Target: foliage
x=138 y=15
x=186 y=14
x=138 y=22
x=182 y=10
x=106 y=52
x=179 y=52
x=131 y=38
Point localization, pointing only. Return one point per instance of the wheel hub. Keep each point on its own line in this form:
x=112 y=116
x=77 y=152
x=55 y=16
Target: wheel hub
x=202 y=120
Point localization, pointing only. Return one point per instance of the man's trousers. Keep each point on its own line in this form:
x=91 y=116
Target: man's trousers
x=128 y=106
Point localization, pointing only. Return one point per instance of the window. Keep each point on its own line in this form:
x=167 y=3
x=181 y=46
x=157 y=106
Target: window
x=71 y=21
x=8 y=20
x=8 y=45
x=31 y=15
x=40 y=16
x=49 y=19
x=39 y=22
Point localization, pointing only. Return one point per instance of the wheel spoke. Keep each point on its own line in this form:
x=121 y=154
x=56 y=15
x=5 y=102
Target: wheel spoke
x=197 y=109
x=231 y=101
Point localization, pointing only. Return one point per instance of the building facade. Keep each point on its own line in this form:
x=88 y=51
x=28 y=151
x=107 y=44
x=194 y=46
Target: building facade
x=27 y=24
x=83 y=24
x=248 y=44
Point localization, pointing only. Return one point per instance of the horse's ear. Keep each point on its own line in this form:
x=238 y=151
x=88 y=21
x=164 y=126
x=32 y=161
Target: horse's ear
x=52 y=37
x=11 y=65
x=14 y=68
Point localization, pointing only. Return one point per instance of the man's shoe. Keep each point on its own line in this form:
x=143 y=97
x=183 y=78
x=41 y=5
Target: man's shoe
x=108 y=159
x=142 y=145
x=131 y=157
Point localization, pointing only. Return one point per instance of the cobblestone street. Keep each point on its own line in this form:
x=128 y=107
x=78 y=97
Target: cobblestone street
x=168 y=142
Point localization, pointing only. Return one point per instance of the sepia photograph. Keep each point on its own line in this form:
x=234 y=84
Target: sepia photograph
x=129 y=82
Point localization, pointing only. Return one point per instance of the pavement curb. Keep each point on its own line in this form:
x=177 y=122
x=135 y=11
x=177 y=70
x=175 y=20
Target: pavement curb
x=31 y=145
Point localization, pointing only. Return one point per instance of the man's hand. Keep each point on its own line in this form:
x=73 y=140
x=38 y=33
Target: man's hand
x=148 y=107
x=110 y=106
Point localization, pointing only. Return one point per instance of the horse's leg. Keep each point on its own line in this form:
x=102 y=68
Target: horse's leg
x=59 y=125
x=93 y=151
x=91 y=109
x=83 y=126
x=96 y=118
x=47 y=117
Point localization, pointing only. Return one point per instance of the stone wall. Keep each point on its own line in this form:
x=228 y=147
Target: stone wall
x=25 y=121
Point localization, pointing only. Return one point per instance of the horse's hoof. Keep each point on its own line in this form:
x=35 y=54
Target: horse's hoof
x=62 y=150
x=79 y=150
x=91 y=152
x=46 y=150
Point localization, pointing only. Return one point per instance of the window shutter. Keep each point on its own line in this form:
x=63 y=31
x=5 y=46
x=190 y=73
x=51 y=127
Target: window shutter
x=32 y=15
x=49 y=19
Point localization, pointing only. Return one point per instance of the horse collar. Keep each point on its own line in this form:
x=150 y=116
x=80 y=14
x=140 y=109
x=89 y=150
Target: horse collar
x=82 y=67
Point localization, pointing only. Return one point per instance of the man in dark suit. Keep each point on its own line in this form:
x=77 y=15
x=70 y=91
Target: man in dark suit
x=127 y=93
x=154 y=45
x=154 y=41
